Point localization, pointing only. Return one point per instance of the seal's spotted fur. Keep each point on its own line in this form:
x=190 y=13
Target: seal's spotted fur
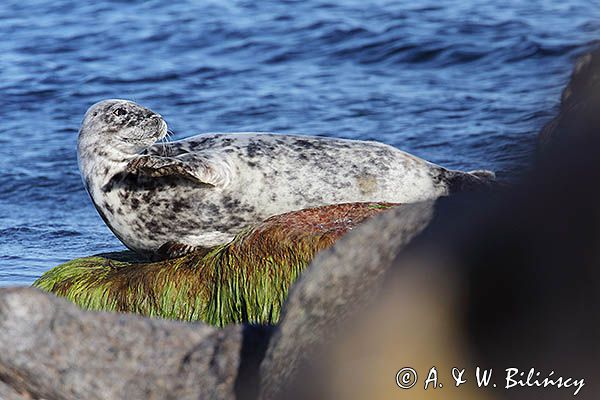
x=202 y=190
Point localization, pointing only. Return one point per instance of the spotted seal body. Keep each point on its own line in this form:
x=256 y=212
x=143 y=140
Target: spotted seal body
x=201 y=191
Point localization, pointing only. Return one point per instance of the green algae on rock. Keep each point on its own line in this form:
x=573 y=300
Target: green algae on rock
x=245 y=280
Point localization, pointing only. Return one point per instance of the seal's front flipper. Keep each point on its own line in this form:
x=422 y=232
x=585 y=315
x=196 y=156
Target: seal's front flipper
x=173 y=250
x=156 y=166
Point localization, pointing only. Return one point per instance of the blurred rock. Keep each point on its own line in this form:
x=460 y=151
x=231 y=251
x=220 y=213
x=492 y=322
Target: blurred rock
x=500 y=283
x=8 y=393
x=51 y=349
x=415 y=323
x=579 y=115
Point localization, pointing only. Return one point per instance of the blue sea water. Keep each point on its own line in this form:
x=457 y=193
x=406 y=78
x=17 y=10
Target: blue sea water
x=466 y=84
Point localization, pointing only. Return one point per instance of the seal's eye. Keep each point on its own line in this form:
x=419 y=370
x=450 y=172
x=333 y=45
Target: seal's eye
x=119 y=112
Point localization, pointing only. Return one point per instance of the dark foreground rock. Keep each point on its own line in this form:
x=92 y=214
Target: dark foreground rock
x=578 y=117
x=509 y=282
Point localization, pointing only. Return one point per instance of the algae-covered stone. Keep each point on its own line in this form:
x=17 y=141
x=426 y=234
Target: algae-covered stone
x=245 y=280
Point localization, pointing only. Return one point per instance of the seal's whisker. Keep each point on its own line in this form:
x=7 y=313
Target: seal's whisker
x=164 y=141
x=168 y=136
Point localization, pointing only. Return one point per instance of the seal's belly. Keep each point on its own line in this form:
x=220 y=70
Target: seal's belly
x=309 y=172
x=154 y=211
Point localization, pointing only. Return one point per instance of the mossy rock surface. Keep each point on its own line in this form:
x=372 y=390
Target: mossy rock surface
x=245 y=280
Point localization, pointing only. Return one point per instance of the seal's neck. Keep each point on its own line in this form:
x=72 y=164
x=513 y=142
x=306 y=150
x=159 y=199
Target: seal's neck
x=98 y=162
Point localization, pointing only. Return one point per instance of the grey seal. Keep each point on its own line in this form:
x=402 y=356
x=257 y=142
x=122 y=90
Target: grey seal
x=166 y=199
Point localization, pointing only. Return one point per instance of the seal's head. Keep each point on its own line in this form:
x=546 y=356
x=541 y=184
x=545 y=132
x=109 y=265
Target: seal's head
x=121 y=126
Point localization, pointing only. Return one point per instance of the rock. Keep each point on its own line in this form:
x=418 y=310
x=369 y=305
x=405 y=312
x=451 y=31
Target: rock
x=578 y=117
x=413 y=323
x=339 y=281
x=8 y=393
x=243 y=281
x=51 y=349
